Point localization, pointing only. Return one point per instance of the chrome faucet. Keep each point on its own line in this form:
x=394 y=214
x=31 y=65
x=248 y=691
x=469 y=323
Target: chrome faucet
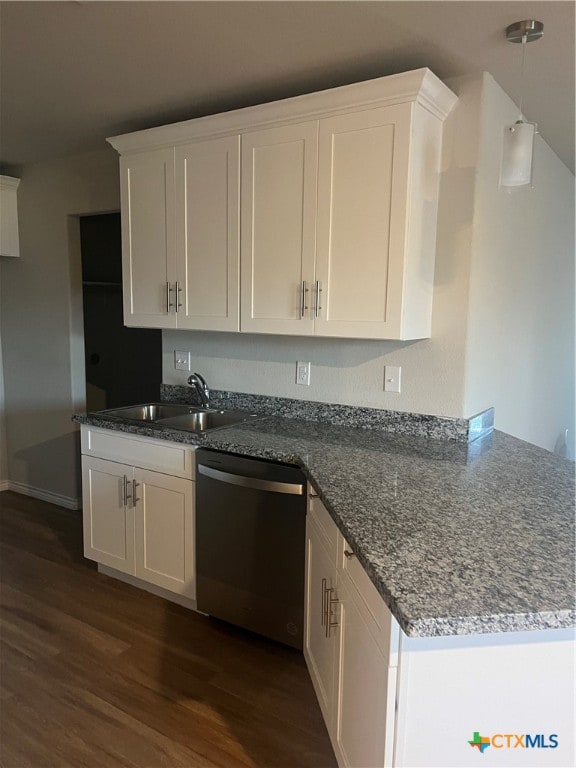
x=201 y=388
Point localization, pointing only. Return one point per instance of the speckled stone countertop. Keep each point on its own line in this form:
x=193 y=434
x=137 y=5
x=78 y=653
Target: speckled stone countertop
x=458 y=538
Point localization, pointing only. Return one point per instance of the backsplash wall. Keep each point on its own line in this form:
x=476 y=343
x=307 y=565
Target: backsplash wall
x=343 y=371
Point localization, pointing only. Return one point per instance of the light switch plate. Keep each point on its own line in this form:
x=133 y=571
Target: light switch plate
x=181 y=360
x=392 y=378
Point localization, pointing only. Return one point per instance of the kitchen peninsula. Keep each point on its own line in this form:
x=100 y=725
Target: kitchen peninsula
x=470 y=545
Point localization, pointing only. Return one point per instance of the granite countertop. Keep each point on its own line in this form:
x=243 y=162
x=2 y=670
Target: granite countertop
x=458 y=538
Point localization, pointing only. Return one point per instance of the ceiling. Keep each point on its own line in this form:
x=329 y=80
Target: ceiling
x=73 y=73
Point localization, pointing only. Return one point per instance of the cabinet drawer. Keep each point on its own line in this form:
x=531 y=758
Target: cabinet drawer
x=325 y=525
x=169 y=458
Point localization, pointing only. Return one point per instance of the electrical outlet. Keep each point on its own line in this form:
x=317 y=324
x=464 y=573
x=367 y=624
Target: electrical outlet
x=392 y=378
x=181 y=360
x=303 y=373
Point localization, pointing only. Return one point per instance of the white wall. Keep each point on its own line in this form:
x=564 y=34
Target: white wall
x=352 y=371
x=41 y=320
x=520 y=346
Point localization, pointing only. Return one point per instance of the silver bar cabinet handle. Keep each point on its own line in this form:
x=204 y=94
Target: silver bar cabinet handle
x=317 y=304
x=125 y=491
x=348 y=555
x=303 y=307
x=178 y=292
x=129 y=496
x=168 y=302
x=134 y=497
x=331 y=622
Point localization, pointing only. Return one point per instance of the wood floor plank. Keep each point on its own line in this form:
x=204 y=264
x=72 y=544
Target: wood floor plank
x=96 y=673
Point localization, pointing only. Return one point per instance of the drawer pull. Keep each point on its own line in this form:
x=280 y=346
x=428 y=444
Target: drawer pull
x=348 y=555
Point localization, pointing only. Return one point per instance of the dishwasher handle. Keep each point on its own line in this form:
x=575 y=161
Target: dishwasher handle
x=295 y=489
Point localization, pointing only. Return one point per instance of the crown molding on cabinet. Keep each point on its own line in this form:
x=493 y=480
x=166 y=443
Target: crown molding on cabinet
x=420 y=86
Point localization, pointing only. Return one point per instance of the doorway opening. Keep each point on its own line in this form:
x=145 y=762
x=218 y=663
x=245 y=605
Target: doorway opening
x=123 y=365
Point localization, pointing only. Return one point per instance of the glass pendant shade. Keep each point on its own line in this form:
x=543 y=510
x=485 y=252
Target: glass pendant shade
x=517 y=152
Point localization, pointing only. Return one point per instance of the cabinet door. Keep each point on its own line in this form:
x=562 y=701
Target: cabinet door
x=147 y=190
x=164 y=531
x=279 y=167
x=207 y=234
x=108 y=514
x=362 y=201
x=319 y=641
x=365 y=685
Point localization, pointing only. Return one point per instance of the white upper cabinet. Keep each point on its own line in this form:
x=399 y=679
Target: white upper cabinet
x=207 y=234
x=337 y=195
x=147 y=192
x=279 y=167
x=362 y=210
x=180 y=225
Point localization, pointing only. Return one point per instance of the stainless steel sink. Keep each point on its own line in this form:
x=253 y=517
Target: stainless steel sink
x=149 y=411
x=201 y=421
x=186 y=417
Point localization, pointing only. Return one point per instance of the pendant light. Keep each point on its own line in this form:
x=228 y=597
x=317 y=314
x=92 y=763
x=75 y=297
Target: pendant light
x=518 y=140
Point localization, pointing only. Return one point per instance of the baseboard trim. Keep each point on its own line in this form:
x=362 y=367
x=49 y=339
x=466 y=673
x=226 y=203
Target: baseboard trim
x=68 y=502
x=4 y=485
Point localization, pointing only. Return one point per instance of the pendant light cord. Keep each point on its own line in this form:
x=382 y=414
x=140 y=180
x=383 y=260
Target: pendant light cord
x=524 y=41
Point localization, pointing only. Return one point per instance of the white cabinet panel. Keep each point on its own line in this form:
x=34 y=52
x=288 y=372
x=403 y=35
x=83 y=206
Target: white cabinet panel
x=362 y=200
x=160 y=455
x=319 y=644
x=207 y=223
x=108 y=518
x=164 y=532
x=278 y=227
x=147 y=191
x=363 y=689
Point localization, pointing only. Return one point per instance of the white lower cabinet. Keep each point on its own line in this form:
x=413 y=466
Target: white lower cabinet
x=366 y=685
x=348 y=650
x=319 y=647
x=108 y=518
x=393 y=700
x=137 y=520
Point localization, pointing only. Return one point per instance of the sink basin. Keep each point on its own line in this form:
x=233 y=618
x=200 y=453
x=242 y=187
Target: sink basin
x=186 y=417
x=201 y=421
x=150 y=411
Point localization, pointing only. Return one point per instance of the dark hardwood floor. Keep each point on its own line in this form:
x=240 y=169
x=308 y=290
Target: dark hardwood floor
x=97 y=673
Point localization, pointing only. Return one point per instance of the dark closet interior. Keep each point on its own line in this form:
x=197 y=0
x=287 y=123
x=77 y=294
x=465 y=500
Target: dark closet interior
x=123 y=365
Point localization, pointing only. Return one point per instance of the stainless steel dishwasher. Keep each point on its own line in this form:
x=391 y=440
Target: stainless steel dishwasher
x=250 y=543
